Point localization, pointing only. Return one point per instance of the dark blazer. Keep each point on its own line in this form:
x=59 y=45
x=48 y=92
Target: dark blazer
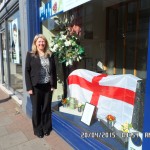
x=32 y=68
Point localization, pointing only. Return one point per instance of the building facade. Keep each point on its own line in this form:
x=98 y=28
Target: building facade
x=11 y=71
x=113 y=33
x=17 y=29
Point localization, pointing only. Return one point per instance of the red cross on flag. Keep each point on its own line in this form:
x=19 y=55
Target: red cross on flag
x=112 y=94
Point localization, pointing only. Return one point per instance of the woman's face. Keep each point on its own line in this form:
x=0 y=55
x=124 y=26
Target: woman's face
x=40 y=44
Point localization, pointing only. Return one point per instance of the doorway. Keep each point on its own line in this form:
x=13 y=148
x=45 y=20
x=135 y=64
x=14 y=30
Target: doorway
x=126 y=51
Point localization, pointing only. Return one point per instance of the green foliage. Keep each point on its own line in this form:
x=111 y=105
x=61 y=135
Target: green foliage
x=66 y=44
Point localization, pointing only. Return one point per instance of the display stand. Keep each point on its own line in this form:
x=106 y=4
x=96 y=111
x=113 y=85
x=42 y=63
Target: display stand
x=70 y=111
x=80 y=135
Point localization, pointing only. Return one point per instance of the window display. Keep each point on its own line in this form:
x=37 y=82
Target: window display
x=119 y=43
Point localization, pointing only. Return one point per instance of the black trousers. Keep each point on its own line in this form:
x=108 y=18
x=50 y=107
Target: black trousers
x=41 y=107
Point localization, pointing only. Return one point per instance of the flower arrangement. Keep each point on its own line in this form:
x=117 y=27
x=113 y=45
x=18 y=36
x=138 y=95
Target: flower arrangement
x=110 y=118
x=65 y=101
x=126 y=127
x=66 y=44
x=80 y=106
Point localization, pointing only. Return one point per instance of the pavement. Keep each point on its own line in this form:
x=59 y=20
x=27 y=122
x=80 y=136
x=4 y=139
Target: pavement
x=16 y=129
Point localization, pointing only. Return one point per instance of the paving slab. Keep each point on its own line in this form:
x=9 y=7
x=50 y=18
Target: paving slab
x=2 y=109
x=16 y=131
x=3 y=131
x=35 y=144
x=12 y=140
x=5 y=121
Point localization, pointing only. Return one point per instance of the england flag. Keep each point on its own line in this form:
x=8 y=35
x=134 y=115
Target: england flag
x=111 y=94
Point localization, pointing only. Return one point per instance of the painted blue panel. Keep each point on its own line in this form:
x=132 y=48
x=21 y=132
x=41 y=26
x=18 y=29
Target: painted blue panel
x=37 y=16
x=146 y=141
x=72 y=134
x=33 y=20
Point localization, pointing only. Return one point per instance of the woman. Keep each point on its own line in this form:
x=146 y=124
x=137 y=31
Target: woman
x=41 y=80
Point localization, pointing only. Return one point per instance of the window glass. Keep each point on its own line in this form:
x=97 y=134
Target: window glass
x=15 y=57
x=4 y=68
x=115 y=39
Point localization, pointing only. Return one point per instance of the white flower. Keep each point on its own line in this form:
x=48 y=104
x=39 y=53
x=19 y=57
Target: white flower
x=79 y=104
x=51 y=44
x=60 y=49
x=67 y=63
x=61 y=32
x=55 y=48
x=63 y=37
x=66 y=47
x=70 y=62
x=73 y=43
x=80 y=57
x=66 y=20
x=67 y=43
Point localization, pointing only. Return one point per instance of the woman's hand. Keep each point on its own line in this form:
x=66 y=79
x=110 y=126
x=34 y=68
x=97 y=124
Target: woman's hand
x=30 y=92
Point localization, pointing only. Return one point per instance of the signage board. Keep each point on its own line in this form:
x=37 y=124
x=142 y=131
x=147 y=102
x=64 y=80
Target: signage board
x=45 y=11
x=69 y=4
x=55 y=7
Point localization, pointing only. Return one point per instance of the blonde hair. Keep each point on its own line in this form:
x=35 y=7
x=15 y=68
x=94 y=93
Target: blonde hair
x=34 y=48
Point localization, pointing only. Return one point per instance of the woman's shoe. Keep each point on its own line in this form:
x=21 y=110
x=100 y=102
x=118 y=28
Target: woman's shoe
x=40 y=134
x=46 y=133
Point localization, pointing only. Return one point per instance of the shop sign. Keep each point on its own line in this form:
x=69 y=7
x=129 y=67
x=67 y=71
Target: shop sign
x=55 y=7
x=2 y=3
x=45 y=11
x=69 y=4
x=50 y=9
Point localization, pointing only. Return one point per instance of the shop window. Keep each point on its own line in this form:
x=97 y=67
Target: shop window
x=127 y=42
x=115 y=37
x=15 y=57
